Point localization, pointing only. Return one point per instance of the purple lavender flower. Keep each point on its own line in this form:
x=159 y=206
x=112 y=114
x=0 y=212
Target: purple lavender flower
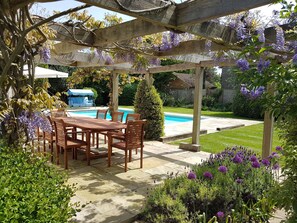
x=265 y=162
x=192 y=175
x=253 y=158
x=237 y=159
x=278 y=148
x=256 y=164
x=239 y=181
x=243 y=64
x=208 y=175
x=275 y=166
x=223 y=169
x=220 y=214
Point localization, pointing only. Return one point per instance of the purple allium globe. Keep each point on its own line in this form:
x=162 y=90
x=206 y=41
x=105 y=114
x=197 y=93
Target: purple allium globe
x=275 y=166
x=220 y=214
x=208 y=175
x=265 y=162
x=274 y=155
x=192 y=175
x=237 y=159
x=278 y=148
x=243 y=64
x=256 y=164
x=253 y=158
x=223 y=169
x=239 y=181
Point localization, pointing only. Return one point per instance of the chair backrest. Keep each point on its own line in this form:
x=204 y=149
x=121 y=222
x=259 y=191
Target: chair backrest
x=131 y=117
x=60 y=131
x=58 y=113
x=117 y=116
x=135 y=133
x=101 y=113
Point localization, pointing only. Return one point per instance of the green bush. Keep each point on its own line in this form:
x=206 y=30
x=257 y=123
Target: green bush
x=245 y=107
x=234 y=183
x=148 y=103
x=128 y=94
x=31 y=190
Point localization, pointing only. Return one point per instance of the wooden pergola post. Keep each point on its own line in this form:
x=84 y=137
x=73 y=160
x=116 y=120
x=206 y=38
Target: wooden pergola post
x=268 y=128
x=115 y=91
x=149 y=78
x=197 y=112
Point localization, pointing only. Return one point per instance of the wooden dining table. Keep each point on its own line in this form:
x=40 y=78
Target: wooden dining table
x=92 y=125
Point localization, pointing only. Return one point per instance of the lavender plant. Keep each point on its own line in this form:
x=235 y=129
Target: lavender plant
x=233 y=184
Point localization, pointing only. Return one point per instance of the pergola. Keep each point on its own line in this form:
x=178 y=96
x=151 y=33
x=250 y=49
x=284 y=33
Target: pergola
x=154 y=16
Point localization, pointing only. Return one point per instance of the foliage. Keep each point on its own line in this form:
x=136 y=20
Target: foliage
x=31 y=190
x=128 y=94
x=279 y=75
x=246 y=107
x=148 y=103
x=231 y=184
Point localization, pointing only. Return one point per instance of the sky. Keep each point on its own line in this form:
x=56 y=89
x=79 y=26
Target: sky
x=99 y=13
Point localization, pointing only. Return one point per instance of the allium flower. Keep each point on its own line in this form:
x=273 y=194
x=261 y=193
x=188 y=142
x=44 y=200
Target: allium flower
x=237 y=159
x=220 y=214
x=279 y=148
x=223 y=169
x=274 y=155
x=192 y=175
x=239 y=181
x=243 y=64
x=208 y=175
x=253 y=158
x=265 y=162
x=275 y=166
x=256 y=164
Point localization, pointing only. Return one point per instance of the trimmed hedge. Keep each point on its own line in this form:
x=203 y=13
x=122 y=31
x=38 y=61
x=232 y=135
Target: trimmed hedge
x=149 y=105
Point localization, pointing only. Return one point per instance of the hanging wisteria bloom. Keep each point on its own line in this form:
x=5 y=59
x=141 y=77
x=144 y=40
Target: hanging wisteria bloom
x=262 y=65
x=31 y=121
x=280 y=39
x=243 y=64
x=252 y=94
x=261 y=35
x=45 y=54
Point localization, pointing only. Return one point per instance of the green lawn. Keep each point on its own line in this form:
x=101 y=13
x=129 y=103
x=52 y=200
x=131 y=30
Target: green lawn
x=249 y=136
x=190 y=112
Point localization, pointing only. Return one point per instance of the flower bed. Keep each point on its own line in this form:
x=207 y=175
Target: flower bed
x=231 y=186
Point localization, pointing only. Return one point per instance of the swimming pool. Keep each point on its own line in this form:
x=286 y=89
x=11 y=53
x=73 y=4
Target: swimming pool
x=169 y=118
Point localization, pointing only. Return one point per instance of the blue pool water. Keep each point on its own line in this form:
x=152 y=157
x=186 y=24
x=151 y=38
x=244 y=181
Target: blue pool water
x=169 y=119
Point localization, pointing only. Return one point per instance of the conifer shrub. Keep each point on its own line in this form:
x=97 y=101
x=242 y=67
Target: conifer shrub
x=149 y=104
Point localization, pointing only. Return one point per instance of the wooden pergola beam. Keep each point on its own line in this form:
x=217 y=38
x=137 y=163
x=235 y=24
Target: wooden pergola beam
x=189 y=13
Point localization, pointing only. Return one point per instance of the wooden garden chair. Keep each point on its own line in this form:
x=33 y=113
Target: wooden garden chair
x=131 y=139
x=115 y=117
x=101 y=114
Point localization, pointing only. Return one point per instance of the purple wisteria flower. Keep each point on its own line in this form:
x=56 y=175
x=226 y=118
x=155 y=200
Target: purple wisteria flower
x=239 y=181
x=155 y=61
x=220 y=214
x=261 y=35
x=294 y=59
x=45 y=54
x=265 y=162
x=108 y=59
x=256 y=164
x=175 y=39
x=278 y=148
x=223 y=169
x=243 y=64
x=192 y=175
x=208 y=175
x=262 y=65
x=280 y=39
x=237 y=159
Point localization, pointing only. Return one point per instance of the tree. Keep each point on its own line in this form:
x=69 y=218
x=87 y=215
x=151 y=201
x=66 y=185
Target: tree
x=21 y=39
x=149 y=105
